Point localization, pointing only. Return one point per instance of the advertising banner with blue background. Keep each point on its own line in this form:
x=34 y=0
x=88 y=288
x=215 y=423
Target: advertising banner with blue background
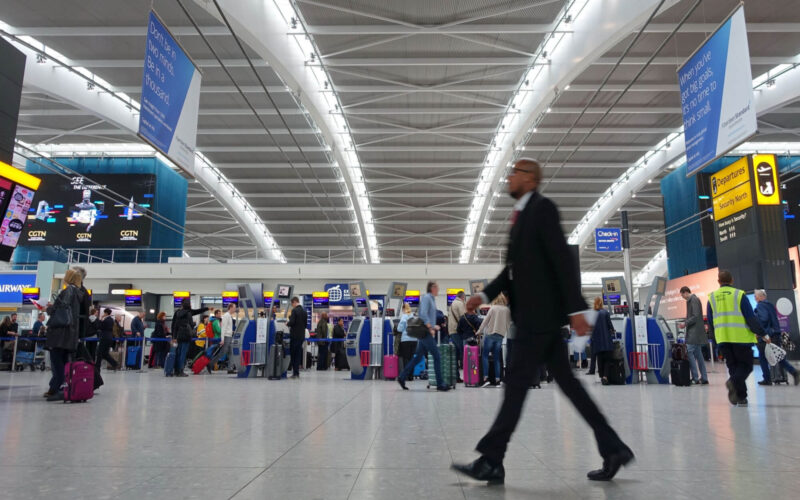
x=338 y=294
x=170 y=96
x=608 y=239
x=717 y=94
x=11 y=285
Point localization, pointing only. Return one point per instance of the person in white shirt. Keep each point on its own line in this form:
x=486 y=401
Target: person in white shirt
x=226 y=328
x=454 y=315
x=494 y=329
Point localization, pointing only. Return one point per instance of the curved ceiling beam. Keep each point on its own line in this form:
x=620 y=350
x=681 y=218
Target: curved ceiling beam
x=783 y=89
x=263 y=25
x=596 y=28
x=50 y=76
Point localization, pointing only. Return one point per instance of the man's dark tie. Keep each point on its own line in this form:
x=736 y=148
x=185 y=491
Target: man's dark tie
x=514 y=216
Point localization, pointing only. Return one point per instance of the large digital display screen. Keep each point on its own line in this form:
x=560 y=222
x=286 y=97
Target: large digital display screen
x=177 y=298
x=17 y=190
x=229 y=298
x=29 y=295
x=78 y=212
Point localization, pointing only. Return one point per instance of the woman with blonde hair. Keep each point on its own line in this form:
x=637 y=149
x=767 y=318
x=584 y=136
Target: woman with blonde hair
x=494 y=329
x=602 y=339
x=62 y=339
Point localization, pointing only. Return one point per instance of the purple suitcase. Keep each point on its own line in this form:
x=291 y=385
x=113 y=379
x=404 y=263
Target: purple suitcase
x=472 y=373
x=79 y=379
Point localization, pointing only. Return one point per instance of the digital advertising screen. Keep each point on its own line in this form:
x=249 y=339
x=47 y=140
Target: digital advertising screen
x=17 y=190
x=284 y=291
x=133 y=298
x=78 y=212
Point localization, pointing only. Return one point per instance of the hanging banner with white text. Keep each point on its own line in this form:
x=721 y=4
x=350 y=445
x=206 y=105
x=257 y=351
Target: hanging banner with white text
x=170 y=96
x=717 y=94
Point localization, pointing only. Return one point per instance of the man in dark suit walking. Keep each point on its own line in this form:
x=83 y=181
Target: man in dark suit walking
x=542 y=282
x=297 y=335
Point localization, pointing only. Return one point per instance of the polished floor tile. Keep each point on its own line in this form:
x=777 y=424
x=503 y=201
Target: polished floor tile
x=325 y=437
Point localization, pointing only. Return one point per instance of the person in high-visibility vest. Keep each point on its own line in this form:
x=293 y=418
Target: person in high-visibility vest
x=735 y=326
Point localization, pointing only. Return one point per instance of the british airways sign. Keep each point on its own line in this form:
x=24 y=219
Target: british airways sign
x=608 y=239
x=11 y=285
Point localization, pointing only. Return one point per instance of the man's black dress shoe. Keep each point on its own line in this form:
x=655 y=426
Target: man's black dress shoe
x=482 y=470
x=611 y=465
x=402 y=383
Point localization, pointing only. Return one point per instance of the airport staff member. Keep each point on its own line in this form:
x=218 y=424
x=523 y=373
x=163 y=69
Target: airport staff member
x=297 y=335
x=731 y=319
x=542 y=283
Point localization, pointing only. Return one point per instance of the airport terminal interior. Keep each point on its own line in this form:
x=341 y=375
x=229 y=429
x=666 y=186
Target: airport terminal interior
x=453 y=249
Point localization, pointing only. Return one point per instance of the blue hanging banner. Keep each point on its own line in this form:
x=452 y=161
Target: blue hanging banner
x=170 y=96
x=717 y=94
x=608 y=239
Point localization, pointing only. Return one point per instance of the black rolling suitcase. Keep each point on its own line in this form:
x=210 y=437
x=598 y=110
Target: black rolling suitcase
x=679 y=373
x=615 y=372
x=275 y=359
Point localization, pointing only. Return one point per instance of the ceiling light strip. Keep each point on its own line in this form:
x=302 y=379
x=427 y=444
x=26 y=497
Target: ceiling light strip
x=541 y=59
x=314 y=64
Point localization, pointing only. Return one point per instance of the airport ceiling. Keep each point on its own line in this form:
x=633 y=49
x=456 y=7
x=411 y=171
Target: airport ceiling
x=423 y=87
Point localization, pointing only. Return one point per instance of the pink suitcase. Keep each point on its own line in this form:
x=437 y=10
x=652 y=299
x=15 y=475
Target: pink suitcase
x=391 y=365
x=79 y=379
x=472 y=372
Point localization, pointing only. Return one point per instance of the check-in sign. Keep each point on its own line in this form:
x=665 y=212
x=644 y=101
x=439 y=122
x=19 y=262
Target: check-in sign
x=608 y=239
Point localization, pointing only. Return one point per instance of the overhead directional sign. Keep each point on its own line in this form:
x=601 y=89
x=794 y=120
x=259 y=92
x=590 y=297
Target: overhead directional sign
x=717 y=94
x=608 y=239
x=170 y=96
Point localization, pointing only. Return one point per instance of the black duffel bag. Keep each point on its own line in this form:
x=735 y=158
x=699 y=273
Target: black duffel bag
x=416 y=328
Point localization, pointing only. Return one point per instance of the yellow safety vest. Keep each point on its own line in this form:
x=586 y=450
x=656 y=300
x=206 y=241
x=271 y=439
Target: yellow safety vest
x=729 y=323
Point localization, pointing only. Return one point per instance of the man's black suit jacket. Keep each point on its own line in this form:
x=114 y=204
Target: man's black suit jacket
x=540 y=278
x=297 y=324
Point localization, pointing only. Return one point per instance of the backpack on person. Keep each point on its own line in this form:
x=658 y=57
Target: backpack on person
x=183 y=326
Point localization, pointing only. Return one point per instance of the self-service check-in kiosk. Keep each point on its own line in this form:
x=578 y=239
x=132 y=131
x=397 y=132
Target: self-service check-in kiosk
x=647 y=346
x=359 y=335
x=278 y=358
x=365 y=337
x=247 y=353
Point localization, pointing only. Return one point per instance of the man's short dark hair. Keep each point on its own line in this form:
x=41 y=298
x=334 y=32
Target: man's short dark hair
x=295 y=299
x=461 y=294
x=725 y=277
x=430 y=286
x=685 y=289
x=107 y=310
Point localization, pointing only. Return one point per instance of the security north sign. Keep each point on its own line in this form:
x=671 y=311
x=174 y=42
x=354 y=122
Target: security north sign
x=608 y=239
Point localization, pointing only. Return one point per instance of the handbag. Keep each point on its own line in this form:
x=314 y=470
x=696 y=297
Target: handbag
x=416 y=328
x=61 y=317
x=774 y=354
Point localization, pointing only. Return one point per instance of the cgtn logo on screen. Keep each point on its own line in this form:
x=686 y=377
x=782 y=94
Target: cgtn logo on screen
x=37 y=235
x=129 y=235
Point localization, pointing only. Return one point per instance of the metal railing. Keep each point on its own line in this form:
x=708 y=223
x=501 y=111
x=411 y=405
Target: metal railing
x=303 y=256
